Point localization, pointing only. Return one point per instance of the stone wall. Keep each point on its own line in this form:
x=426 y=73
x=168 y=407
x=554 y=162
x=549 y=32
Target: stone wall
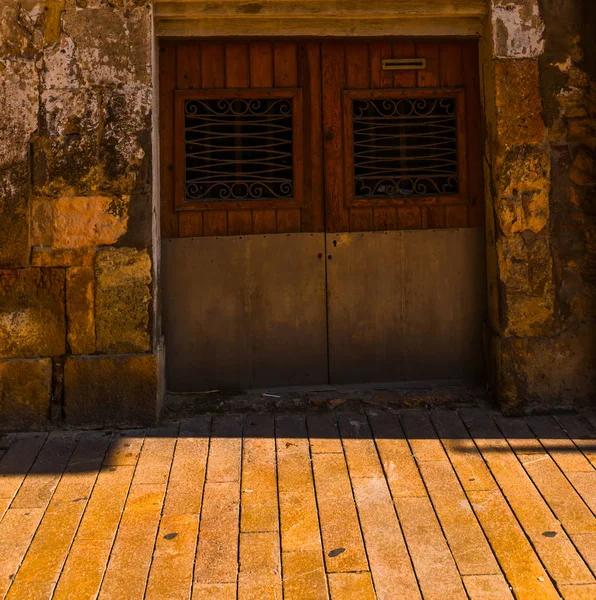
x=77 y=340
x=541 y=137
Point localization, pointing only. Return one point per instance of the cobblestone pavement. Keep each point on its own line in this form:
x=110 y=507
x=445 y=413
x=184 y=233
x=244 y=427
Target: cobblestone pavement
x=385 y=504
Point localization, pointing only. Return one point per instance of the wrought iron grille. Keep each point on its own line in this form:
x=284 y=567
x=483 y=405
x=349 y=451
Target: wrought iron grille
x=238 y=149
x=405 y=147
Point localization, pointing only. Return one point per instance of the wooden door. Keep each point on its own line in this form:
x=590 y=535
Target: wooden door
x=363 y=259
x=243 y=284
x=404 y=210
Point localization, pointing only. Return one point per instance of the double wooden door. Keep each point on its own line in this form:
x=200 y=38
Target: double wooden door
x=321 y=211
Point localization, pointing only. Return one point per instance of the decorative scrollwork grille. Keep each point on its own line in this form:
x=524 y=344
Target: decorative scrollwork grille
x=238 y=149
x=405 y=147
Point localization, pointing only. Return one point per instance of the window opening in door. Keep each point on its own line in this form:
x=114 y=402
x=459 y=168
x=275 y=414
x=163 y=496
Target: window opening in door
x=238 y=149
x=405 y=147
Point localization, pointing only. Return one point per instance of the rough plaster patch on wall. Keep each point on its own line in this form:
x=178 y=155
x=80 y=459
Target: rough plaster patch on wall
x=60 y=67
x=137 y=110
x=518 y=30
x=19 y=101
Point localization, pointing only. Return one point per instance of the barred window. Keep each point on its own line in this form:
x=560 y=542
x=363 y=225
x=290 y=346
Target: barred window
x=405 y=147
x=238 y=149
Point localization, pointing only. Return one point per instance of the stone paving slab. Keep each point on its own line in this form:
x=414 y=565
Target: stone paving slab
x=379 y=503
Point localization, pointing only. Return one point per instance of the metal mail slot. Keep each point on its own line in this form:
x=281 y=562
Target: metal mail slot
x=402 y=64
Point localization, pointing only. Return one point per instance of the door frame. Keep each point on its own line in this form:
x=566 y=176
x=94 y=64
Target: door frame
x=179 y=19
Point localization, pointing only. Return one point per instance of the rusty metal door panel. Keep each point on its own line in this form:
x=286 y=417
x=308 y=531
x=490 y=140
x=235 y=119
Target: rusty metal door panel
x=244 y=312
x=406 y=305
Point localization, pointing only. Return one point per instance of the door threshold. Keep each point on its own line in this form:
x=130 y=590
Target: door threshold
x=323 y=398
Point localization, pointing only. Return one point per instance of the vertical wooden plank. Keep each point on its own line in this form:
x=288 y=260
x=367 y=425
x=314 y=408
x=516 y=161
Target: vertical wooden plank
x=188 y=66
x=264 y=221
x=358 y=77
x=285 y=64
x=407 y=78
x=456 y=216
x=261 y=64
x=190 y=223
x=215 y=222
x=188 y=76
x=451 y=73
x=213 y=72
x=333 y=74
x=409 y=217
x=240 y=222
x=167 y=82
x=261 y=76
x=237 y=71
x=474 y=135
x=285 y=74
x=428 y=77
x=288 y=220
x=385 y=218
x=451 y=70
x=309 y=78
x=377 y=52
x=213 y=75
x=432 y=215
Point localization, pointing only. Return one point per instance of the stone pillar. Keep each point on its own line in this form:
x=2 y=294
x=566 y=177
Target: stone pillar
x=77 y=337
x=542 y=355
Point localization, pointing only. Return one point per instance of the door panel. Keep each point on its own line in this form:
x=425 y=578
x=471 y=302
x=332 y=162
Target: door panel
x=358 y=66
x=405 y=305
x=238 y=66
x=244 y=312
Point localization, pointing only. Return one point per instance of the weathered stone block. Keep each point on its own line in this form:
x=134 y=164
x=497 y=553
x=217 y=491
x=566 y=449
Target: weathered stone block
x=25 y=392
x=528 y=315
x=121 y=55
x=66 y=146
x=542 y=374
x=32 y=321
x=78 y=222
x=522 y=181
x=19 y=107
x=518 y=28
x=122 y=300
x=525 y=263
x=14 y=215
x=583 y=168
x=125 y=143
x=80 y=304
x=519 y=105
x=112 y=390
x=62 y=257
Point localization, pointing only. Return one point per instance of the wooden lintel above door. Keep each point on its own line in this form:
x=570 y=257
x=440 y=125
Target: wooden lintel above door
x=321 y=18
